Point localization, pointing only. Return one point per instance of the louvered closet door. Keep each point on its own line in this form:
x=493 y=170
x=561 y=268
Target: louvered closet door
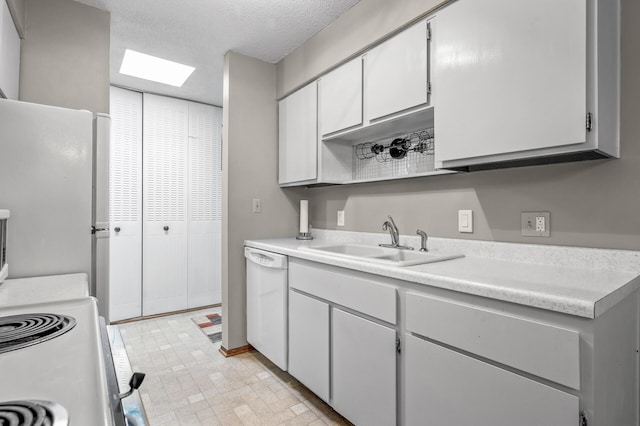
x=205 y=210
x=125 y=205
x=165 y=151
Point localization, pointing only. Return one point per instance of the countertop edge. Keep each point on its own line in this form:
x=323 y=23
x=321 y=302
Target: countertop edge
x=556 y=303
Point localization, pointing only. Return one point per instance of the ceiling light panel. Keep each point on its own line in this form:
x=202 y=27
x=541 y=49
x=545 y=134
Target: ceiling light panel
x=149 y=67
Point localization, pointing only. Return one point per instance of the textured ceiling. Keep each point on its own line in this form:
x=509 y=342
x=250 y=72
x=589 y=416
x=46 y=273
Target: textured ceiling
x=200 y=32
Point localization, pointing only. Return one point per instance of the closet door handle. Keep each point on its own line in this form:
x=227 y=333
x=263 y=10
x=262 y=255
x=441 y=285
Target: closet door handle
x=166 y=228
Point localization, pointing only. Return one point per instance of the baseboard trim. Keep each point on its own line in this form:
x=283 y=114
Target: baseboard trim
x=164 y=314
x=235 y=351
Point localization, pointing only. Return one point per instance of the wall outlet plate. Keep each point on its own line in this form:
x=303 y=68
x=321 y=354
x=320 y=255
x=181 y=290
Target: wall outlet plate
x=465 y=221
x=340 y=217
x=257 y=205
x=535 y=224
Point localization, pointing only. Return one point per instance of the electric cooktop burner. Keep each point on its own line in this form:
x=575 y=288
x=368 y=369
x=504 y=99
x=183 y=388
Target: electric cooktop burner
x=20 y=331
x=33 y=413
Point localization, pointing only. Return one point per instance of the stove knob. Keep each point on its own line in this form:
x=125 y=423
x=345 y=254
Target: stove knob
x=134 y=383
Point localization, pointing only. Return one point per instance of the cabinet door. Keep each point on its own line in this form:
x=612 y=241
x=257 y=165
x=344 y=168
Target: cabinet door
x=341 y=98
x=309 y=343
x=9 y=54
x=205 y=209
x=396 y=73
x=165 y=133
x=125 y=205
x=298 y=135
x=446 y=388
x=363 y=370
x=509 y=76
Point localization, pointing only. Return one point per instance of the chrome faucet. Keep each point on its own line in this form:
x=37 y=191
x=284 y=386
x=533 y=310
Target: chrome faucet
x=423 y=239
x=390 y=226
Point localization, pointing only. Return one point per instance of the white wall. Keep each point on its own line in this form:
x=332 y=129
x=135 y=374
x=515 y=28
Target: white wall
x=250 y=170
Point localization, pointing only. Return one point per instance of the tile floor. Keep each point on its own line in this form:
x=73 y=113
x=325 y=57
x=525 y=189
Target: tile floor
x=189 y=382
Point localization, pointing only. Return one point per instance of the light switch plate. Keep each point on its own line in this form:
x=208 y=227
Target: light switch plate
x=340 y=217
x=257 y=205
x=465 y=221
x=535 y=224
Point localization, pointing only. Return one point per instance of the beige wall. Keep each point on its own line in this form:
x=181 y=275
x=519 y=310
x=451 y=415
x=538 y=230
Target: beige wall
x=250 y=170
x=593 y=204
x=17 y=8
x=65 y=55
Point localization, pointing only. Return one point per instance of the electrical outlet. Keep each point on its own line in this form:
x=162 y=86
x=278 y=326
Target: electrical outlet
x=257 y=205
x=340 y=217
x=535 y=224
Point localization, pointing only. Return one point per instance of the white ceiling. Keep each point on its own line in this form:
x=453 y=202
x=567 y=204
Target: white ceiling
x=199 y=32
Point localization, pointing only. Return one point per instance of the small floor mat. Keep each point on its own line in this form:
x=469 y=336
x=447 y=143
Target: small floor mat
x=211 y=325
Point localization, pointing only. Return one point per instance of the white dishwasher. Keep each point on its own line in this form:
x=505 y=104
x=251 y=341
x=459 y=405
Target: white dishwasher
x=267 y=304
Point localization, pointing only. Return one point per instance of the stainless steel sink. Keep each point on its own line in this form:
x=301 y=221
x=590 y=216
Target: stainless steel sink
x=383 y=255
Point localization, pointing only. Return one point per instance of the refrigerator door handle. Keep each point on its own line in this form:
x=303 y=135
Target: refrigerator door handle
x=94 y=229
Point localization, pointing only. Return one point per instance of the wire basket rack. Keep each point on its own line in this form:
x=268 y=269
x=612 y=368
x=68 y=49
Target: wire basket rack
x=400 y=156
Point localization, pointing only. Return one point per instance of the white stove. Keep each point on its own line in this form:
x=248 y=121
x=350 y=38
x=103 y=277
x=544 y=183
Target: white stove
x=67 y=369
x=56 y=366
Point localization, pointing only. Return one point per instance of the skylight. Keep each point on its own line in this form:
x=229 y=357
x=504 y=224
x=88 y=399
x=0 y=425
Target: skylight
x=149 y=67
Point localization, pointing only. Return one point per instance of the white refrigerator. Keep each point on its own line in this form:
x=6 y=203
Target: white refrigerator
x=54 y=180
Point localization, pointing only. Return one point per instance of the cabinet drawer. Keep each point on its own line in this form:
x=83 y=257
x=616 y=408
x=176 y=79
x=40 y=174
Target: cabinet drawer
x=350 y=289
x=452 y=389
x=541 y=349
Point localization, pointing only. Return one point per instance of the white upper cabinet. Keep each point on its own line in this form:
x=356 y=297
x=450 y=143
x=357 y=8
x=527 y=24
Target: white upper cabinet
x=298 y=136
x=516 y=79
x=396 y=73
x=340 y=98
x=9 y=54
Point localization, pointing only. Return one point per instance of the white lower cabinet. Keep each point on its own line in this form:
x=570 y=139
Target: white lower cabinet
x=363 y=372
x=309 y=343
x=463 y=359
x=346 y=359
x=446 y=388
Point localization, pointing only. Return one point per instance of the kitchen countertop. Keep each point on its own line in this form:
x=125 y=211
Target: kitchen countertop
x=577 y=281
x=51 y=288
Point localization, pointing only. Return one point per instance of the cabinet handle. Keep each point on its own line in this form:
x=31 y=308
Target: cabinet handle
x=166 y=228
x=117 y=229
